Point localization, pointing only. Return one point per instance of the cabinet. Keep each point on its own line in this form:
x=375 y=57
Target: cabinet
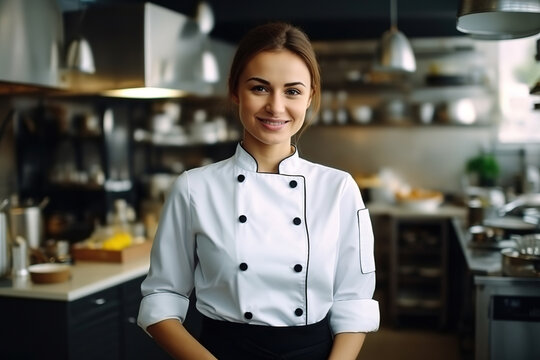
x=418 y=268
x=99 y=326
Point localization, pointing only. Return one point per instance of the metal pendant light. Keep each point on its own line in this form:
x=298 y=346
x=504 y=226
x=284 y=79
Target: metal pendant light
x=395 y=52
x=499 y=19
x=79 y=54
x=205 y=19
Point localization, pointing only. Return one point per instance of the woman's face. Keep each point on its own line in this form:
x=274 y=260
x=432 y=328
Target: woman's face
x=274 y=92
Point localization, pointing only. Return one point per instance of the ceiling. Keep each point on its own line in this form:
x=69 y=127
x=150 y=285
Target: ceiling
x=321 y=19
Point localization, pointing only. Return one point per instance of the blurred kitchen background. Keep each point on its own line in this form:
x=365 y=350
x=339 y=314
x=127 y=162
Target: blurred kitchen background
x=103 y=103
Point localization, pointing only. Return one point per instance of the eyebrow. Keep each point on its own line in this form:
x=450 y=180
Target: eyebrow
x=266 y=82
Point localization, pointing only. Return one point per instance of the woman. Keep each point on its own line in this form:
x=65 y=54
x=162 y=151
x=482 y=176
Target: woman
x=278 y=249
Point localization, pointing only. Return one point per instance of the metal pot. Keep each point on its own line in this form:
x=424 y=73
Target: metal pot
x=27 y=222
x=516 y=264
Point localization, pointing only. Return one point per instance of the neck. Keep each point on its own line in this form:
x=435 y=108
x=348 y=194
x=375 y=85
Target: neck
x=268 y=156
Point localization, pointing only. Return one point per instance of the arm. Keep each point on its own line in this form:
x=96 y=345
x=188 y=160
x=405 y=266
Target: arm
x=173 y=337
x=347 y=346
x=354 y=310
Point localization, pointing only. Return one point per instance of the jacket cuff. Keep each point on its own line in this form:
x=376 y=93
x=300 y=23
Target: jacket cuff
x=161 y=306
x=355 y=316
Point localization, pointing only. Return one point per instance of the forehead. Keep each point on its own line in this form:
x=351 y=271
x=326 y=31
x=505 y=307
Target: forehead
x=278 y=64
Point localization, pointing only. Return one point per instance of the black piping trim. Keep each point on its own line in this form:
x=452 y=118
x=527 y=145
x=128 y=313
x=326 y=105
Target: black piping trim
x=279 y=165
x=253 y=157
x=308 y=248
x=282 y=160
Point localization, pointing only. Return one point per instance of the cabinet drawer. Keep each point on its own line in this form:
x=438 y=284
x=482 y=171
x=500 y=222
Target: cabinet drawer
x=93 y=306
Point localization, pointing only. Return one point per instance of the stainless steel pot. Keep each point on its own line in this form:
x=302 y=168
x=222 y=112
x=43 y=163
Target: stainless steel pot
x=516 y=264
x=27 y=222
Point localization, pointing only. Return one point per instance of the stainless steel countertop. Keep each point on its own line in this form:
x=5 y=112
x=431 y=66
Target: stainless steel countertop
x=480 y=261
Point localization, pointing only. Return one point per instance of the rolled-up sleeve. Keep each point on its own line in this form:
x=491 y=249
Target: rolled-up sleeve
x=169 y=282
x=354 y=309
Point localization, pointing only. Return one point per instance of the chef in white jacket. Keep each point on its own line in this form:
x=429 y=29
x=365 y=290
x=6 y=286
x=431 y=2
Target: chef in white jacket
x=279 y=250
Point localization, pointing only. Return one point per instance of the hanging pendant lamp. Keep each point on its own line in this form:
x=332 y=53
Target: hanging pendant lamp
x=80 y=57
x=499 y=19
x=395 y=52
x=205 y=19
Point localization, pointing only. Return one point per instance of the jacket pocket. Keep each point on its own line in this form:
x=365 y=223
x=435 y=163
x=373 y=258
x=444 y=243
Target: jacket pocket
x=367 y=242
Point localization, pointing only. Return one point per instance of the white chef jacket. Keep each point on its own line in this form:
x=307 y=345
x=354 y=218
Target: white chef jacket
x=281 y=249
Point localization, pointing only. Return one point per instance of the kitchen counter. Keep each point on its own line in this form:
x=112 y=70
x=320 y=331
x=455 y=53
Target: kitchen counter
x=90 y=277
x=450 y=211
x=480 y=261
x=86 y=278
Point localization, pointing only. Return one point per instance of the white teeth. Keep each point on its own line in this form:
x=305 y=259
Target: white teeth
x=274 y=123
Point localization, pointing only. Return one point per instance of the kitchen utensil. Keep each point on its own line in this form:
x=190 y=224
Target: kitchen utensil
x=426 y=111
x=510 y=224
x=461 y=111
x=528 y=245
x=529 y=200
x=362 y=114
x=475 y=212
x=482 y=234
x=27 y=222
x=49 y=273
x=394 y=110
x=4 y=243
x=20 y=258
x=516 y=264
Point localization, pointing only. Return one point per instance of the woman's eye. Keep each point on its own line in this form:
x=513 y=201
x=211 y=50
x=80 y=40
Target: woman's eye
x=258 y=88
x=292 y=92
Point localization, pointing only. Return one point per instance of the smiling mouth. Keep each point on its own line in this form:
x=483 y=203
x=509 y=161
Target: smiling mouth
x=273 y=122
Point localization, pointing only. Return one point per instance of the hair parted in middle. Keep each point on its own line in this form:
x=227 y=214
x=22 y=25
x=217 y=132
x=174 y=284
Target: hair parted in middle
x=275 y=36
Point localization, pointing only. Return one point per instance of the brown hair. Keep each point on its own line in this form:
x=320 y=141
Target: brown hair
x=278 y=36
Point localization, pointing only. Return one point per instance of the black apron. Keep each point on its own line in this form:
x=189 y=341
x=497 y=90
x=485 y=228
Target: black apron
x=236 y=341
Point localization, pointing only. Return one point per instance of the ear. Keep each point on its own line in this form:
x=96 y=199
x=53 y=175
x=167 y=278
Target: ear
x=235 y=99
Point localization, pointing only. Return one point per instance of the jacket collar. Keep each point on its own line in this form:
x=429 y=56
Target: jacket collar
x=246 y=161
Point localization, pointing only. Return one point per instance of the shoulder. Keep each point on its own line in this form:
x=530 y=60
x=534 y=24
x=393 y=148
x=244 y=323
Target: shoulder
x=210 y=169
x=325 y=171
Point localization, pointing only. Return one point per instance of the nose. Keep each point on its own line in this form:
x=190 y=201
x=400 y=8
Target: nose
x=275 y=104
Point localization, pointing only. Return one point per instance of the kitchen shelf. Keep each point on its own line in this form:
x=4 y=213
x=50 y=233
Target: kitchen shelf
x=410 y=123
x=182 y=142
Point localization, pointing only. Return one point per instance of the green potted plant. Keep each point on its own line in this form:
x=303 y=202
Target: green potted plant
x=485 y=167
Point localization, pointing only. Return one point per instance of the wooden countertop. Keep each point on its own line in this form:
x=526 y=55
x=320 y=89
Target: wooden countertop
x=86 y=278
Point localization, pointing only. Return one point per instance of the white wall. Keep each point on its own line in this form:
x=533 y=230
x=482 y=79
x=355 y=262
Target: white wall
x=431 y=157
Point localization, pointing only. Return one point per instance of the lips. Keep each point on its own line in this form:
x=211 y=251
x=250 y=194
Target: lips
x=273 y=124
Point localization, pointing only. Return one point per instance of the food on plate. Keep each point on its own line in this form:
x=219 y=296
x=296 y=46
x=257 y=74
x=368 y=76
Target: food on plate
x=420 y=199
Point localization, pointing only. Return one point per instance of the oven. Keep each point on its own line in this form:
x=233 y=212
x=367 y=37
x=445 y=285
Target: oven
x=507 y=318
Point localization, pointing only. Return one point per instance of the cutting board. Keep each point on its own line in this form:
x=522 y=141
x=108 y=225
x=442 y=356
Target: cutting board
x=80 y=251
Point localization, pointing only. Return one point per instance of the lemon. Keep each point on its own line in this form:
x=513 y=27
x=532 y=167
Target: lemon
x=118 y=241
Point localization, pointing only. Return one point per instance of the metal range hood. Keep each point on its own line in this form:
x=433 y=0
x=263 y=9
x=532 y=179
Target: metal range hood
x=31 y=44
x=140 y=48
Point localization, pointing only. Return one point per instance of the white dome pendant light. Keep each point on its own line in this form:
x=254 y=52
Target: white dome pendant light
x=79 y=54
x=395 y=52
x=205 y=19
x=499 y=19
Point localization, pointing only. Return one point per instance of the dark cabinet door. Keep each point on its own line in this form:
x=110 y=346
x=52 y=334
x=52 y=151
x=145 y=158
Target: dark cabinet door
x=136 y=343
x=94 y=326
